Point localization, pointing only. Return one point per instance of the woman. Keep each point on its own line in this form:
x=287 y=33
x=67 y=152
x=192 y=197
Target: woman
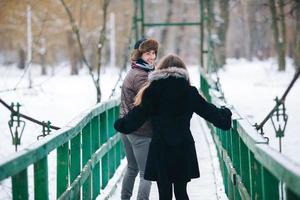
x=169 y=101
x=137 y=144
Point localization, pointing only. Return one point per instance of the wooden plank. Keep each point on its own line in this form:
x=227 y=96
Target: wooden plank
x=86 y=155
x=255 y=177
x=243 y=193
x=103 y=139
x=104 y=171
x=62 y=178
x=111 y=133
x=75 y=160
x=281 y=167
x=20 y=186
x=41 y=179
x=118 y=146
x=95 y=147
x=229 y=172
x=87 y=169
x=244 y=163
x=290 y=195
x=235 y=155
x=270 y=185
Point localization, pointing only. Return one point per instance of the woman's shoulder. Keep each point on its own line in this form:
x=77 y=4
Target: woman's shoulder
x=193 y=90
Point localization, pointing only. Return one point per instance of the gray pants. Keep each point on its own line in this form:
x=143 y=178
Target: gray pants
x=136 y=151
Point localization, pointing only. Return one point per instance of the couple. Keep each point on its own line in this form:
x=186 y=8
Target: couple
x=156 y=108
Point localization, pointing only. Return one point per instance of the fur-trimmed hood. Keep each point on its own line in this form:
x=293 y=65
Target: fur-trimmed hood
x=168 y=72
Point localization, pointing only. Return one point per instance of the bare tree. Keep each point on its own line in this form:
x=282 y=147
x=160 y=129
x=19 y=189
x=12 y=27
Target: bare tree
x=21 y=59
x=180 y=33
x=296 y=54
x=279 y=32
x=95 y=76
x=222 y=28
x=165 y=29
x=73 y=52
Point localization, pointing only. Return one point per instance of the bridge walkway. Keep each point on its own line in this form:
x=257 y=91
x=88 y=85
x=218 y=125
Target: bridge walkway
x=208 y=187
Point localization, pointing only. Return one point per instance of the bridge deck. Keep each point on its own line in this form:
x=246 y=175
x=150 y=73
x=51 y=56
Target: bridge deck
x=208 y=187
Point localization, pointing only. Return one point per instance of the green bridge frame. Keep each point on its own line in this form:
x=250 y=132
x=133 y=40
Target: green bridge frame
x=88 y=152
x=251 y=169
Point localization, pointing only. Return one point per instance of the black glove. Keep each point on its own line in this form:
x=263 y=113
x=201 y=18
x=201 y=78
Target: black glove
x=117 y=124
x=226 y=115
x=226 y=112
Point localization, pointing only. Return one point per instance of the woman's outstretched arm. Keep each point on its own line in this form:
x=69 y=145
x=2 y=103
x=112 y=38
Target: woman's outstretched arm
x=219 y=117
x=133 y=120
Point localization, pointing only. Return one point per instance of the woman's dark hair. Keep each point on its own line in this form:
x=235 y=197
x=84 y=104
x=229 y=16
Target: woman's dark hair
x=171 y=60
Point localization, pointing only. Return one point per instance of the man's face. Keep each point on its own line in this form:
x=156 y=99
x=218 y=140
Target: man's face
x=149 y=57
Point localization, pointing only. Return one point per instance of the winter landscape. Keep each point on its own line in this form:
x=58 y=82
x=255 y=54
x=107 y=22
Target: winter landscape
x=59 y=59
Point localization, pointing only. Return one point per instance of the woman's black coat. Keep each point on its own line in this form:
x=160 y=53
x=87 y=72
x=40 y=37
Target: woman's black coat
x=170 y=102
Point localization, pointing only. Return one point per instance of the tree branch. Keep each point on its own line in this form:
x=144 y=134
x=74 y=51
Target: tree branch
x=75 y=30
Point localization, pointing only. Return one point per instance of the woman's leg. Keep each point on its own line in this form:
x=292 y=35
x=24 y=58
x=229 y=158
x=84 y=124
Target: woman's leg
x=131 y=171
x=140 y=147
x=180 y=191
x=164 y=190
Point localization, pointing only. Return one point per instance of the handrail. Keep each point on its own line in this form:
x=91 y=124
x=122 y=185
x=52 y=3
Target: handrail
x=87 y=139
x=251 y=169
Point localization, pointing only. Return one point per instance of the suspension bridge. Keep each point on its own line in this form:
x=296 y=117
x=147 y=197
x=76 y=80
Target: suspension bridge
x=89 y=156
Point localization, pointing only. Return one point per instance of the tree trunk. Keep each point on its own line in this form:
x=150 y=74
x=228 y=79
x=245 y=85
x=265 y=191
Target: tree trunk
x=42 y=53
x=222 y=31
x=202 y=7
x=210 y=66
x=22 y=57
x=43 y=64
x=248 y=23
x=278 y=39
x=282 y=39
x=101 y=42
x=180 y=32
x=99 y=94
x=72 y=53
x=297 y=41
x=164 y=32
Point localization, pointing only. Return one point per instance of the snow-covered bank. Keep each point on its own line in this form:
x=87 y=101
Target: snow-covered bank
x=59 y=99
x=252 y=87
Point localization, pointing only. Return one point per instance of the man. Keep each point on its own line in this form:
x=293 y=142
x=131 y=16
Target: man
x=137 y=144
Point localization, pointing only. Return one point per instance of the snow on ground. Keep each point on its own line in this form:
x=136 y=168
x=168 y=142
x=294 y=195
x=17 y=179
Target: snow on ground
x=59 y=99
x=210 y=184
x=252 y=87
x=249 y=86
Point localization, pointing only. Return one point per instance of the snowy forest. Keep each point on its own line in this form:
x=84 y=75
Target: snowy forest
x=244 y=29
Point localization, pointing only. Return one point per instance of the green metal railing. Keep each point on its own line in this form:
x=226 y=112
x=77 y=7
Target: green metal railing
x=88 y=153
x=251 y=169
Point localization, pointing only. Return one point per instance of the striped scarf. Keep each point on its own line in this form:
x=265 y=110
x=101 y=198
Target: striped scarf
x=141 y=64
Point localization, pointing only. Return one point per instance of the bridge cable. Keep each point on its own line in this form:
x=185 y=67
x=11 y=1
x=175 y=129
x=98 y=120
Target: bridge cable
x=279 y=102
x=126 y=55
x=26 y=116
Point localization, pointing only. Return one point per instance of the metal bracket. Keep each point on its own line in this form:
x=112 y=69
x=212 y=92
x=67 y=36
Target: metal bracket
x=281 y=124
x=16 y=126
x=46 y=129
x=261 y=131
